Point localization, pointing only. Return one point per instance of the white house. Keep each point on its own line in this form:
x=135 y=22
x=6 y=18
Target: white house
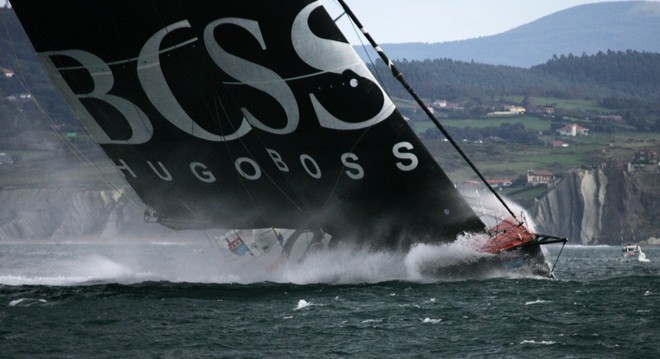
x=573 y=130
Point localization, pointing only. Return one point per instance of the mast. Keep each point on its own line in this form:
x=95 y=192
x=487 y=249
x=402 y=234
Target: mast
x=399 y=76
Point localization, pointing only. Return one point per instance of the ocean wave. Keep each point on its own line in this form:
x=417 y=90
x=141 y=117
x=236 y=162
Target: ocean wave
x=540 y=342
x=26 y=302
x=538 y=301
x=302 y=304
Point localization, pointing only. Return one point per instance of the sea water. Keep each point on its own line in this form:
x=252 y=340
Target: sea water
x=191 y=299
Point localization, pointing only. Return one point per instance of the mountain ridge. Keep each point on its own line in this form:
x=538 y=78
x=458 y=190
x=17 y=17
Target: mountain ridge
x=619 y=26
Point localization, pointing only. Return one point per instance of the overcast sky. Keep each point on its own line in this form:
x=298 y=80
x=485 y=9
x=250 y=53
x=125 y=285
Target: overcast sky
x=395 y=21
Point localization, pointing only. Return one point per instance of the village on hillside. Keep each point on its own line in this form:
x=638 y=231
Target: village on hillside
x=566 y=127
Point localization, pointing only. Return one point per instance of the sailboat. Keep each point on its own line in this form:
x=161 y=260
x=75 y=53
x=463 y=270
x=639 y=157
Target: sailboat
x=257 y=114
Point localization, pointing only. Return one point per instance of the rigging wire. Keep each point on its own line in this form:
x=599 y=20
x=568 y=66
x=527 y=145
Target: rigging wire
x=338 y=179
x=363 y=46
x=399 y=76
x=231 y=157
x=255 y=204
x=216 y=115
x=314 y=217
x=247 y=149
x=558 y=255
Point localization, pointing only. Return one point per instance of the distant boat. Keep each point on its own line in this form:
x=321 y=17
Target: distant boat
x=258 y=114
x=633 y=251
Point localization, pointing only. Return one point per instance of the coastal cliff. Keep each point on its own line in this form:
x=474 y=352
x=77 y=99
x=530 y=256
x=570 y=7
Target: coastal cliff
x=68 y=212
x=605 y=205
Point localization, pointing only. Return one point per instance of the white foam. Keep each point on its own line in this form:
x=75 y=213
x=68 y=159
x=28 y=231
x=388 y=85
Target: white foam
x=43 y=280
x=166 y=243
x=588 y=246
x=426 y=257
x=538 y=301
x=60 y=270
x=431 y=321
x=302 y=304
x=343 y=265
x=100 y=267
x=127 y=262
x=541 y=342
x=26 y=302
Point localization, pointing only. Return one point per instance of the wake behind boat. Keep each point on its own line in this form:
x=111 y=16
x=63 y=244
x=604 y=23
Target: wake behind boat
x=257 y=114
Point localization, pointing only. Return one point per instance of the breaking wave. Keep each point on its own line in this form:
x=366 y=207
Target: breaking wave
x=426 y=262
x=194 y=262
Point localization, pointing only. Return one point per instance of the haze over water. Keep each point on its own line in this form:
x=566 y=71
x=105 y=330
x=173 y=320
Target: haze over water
x=184 y=300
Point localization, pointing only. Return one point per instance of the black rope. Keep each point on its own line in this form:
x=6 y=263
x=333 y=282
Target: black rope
x=399 y=76
x=558 y=255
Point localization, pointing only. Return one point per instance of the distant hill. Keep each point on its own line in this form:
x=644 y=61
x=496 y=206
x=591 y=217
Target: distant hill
x=619 y=26
x=618 y=74
x=626 y=82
